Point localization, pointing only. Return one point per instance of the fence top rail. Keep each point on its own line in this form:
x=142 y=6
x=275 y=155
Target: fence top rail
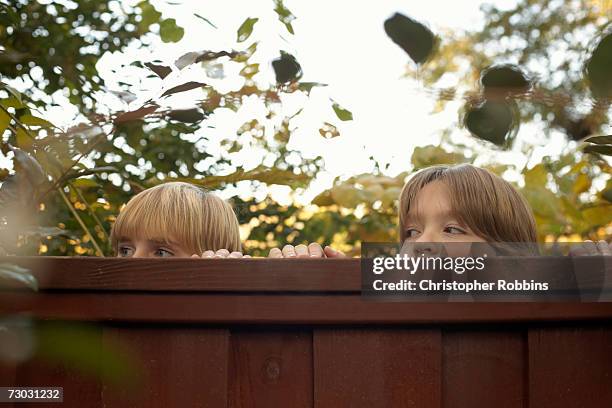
x=250 y=275
x=252 y=291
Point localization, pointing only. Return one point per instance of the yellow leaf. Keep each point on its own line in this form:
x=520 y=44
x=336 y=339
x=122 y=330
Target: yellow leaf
x=582 y=184
x=4 y=121
x=600 y=215
x=536 y=177
x=24 y=140
x=347 y=196
x=323 y=199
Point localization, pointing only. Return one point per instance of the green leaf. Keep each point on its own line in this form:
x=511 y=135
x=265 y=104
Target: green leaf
x=492 y=121
x=246 y=29
x=186 y=115
x=430 y=155
x=85 y=183
x=12 y=102
x=11 y=274
x=582 y=184
x=307 y=86
x=597 y=68
x=536 y=177
x=31 y=120
x=598 y=216
x=286 y=68
x=80 y=347
x=24 y=140
x=12 y=91
x=413 y=37
x=285 y=16
x=606 y=150
x=600 y=139
x=342 y=113
x=502 y=80
x=323 y=199
x=261 y=173
x=347 y=196
x=5 y=119
x=149 y=16
x=169 y=31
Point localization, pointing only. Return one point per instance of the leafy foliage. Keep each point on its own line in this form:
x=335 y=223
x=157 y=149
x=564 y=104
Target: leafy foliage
x=67 y=185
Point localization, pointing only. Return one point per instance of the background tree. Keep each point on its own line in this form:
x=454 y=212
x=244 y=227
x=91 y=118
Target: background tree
x=74 y=181
x=541 y=62
x=67 y=185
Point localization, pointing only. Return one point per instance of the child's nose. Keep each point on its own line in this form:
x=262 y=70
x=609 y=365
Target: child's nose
x=139 y=253
x=427 y=245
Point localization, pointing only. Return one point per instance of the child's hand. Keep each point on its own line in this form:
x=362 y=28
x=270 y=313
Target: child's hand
x=313 y=250
x=221 y=253
x=591 y=248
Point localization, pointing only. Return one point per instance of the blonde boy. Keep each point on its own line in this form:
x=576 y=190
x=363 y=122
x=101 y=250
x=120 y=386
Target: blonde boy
x=176 y=219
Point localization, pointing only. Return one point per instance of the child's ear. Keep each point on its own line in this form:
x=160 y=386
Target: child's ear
x=194 y=256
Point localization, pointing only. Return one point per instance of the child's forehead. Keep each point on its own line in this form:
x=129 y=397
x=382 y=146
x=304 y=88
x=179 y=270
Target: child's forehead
x=433 y=200
x=149 y=239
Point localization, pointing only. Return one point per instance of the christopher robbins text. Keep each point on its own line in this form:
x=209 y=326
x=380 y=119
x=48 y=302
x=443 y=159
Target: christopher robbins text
x=430 y=285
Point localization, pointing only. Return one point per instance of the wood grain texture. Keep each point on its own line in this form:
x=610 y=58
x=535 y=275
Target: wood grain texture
x=175 y=367
x=186 y=274
x=281 y=275
x=271 y=369
x=285 y=309
x=377 y=368
x=483 y=369
x=570 y=367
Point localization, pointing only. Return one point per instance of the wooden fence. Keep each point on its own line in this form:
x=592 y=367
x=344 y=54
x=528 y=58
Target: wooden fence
x=296 y=333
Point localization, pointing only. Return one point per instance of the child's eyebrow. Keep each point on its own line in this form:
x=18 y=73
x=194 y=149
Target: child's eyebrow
x=415 y=215
x=159 y=241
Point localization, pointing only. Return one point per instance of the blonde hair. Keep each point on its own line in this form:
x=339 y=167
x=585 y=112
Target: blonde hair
x=483 y=201
x=179 y=211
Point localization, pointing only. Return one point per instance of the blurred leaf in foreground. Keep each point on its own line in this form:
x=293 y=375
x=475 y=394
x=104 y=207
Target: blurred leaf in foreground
x=413 y=37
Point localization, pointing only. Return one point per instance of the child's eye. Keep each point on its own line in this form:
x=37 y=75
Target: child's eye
x=411 y=232
x=126 y=251
x=454 y=230
x=163 y=253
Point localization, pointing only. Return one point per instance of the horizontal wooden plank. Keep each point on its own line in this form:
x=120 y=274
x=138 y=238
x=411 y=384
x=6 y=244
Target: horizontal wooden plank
x=285 y=309
x=184 y=274
x=282 y=275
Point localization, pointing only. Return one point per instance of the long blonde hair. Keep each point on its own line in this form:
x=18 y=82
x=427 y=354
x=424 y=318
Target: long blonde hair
x=183 y=212
x=483 y=201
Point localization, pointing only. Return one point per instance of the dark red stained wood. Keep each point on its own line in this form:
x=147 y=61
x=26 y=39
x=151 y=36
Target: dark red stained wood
x=289 y=309
x=377 y=368
x=80 y=384
x=271 y=369
x=271 y=275
x=178 y=367
x=483 y=369
x=185 y=274
x=570 y=367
